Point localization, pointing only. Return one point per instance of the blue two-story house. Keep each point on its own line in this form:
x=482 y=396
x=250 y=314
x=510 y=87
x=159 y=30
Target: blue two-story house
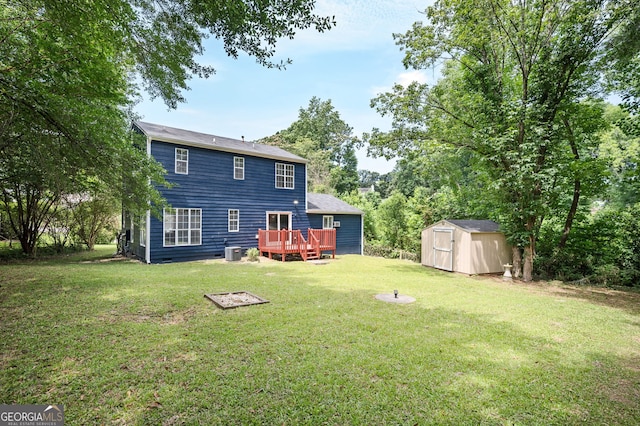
x=225 y=192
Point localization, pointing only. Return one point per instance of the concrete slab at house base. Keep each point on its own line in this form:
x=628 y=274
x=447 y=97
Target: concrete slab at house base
x=235 y=299
x=392 y=299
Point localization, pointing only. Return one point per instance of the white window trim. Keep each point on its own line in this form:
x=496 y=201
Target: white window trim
x=236 y=220
x=174 y=212
x=180 y=161
x=286 y=167
x=143 y=230
x=324 y=222
x=238 y=168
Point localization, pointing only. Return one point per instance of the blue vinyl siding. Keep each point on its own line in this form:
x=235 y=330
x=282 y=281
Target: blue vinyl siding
x=210 y=186
x=348 y=235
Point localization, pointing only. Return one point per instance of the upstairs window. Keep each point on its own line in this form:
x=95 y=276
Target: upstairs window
x=238 y=168
x=284 y=176
x=182 y=161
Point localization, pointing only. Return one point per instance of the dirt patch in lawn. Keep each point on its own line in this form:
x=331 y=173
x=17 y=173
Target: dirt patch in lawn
x=235 y=299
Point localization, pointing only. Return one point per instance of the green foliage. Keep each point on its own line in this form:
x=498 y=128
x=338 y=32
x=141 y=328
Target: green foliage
x=604 y=248
x=622 y=59
x=95 y=218
x=59 y=230
x=322 y=137
x=253 y=254
x=161 y=40
x=69 y=72
x=64 y=99
x=377 y=250
x=368 y=204
x=513 y=100
x=391 y=221
x=344 y=178
x=620 y=148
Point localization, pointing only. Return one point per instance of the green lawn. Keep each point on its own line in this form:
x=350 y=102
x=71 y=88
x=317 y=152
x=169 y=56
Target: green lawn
x=120 y=342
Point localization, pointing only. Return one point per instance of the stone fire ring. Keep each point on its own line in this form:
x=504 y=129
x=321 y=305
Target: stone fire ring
x=235 y=299
x=392 y=299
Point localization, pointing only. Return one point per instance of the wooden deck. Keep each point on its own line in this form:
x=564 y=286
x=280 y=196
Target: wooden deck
x=293 y=242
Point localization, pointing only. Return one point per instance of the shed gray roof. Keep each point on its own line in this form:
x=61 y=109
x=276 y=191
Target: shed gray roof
x=162 y=133
x=328 y=204
x=476 y=225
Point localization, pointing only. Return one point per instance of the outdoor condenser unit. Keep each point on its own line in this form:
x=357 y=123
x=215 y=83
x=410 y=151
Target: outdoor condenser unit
x=232 y=254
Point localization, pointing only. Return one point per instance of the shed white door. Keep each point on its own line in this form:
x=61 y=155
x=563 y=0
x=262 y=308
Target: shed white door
x=443 y=248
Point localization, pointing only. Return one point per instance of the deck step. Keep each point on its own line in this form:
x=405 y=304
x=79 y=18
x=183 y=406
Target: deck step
x=312 y=254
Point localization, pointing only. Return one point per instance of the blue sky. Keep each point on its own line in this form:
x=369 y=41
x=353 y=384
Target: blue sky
x=349 y=65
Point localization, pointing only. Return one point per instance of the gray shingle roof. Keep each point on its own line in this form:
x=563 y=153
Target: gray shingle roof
x=325 y=203
x=162 y=133
x=476 y=225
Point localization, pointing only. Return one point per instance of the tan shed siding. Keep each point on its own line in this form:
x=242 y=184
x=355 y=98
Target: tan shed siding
x=494 y=253
x=462 y=258
x=427 y=244
x=473 y=252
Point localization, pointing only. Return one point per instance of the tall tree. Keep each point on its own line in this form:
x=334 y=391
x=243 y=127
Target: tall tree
x=321 y=136
x=621 y=150
x=67 y=73
x=622 y=58
x=514 y=73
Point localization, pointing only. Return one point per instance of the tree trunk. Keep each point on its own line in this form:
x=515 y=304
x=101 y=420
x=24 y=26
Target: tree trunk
x=576 y=191
x=571 y=215
x=28 y=244
x=527 y=273
x=517 y=262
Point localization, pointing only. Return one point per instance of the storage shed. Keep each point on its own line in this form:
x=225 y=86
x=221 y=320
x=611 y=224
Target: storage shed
x=467 y=246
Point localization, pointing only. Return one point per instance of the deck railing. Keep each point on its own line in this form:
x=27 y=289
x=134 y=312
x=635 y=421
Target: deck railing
x=288 y=241
x=323 y=239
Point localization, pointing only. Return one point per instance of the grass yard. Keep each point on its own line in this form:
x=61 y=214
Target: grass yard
x=120 y=342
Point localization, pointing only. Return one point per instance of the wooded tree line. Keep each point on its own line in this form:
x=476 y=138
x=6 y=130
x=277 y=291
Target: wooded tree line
x=517 y=124
x=603 y=245
x=516 y=130
x=70 y=73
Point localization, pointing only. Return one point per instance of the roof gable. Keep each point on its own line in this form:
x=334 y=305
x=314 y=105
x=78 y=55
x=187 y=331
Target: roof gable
x=328 y=204
x=160 y=133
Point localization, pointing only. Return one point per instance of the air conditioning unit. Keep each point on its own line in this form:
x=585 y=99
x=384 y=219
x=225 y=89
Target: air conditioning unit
x=232 y=254
x=336 y=224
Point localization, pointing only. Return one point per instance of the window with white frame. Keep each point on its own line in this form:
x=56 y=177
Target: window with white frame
x=284 y=176
x=182 y=227
x=143 y=230
x=327 y=222
x=238 y=168
x=234 y=220
x=182 y=161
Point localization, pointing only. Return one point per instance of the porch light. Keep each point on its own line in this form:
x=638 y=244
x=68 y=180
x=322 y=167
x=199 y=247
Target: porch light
x=295 y=202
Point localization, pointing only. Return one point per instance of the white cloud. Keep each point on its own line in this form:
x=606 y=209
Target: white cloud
x=406 y=78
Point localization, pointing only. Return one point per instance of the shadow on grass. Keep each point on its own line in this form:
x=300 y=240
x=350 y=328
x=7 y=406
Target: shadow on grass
x=627 y=299
x=139 y=344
